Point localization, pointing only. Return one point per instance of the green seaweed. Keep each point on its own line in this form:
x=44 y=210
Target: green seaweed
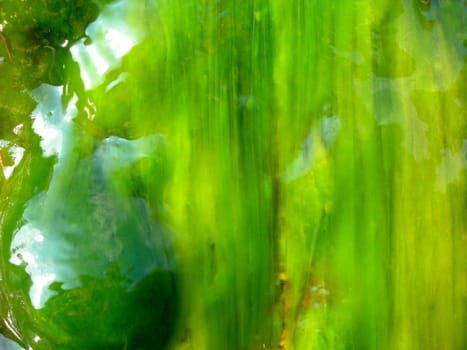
x=310 y=189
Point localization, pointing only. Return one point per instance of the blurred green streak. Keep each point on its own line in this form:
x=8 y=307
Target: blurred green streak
x=317 y=155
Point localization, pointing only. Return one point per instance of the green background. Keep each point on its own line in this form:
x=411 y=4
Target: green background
x=314 y=171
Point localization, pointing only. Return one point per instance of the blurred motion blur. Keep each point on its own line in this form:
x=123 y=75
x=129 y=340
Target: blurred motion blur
x=221 y=174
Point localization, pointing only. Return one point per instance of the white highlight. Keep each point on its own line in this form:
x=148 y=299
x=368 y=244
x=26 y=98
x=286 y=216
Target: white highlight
x=111 y=39
x=119 y=42
x=16 y=153
x=36 y=293
x=50 y=122
x=24 y=249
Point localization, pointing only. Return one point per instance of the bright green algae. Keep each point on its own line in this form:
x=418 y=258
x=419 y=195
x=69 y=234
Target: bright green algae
x=298 y=168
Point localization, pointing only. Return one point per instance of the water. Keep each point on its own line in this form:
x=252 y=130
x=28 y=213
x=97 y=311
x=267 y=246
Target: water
x=278 y=173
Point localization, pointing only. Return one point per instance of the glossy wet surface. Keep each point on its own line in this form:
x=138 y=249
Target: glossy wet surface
x=233 y=175
x=87 y=259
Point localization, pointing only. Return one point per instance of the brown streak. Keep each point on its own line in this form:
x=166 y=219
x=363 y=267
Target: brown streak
x=2 y=166
x=7 y=48
x=284 y=300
